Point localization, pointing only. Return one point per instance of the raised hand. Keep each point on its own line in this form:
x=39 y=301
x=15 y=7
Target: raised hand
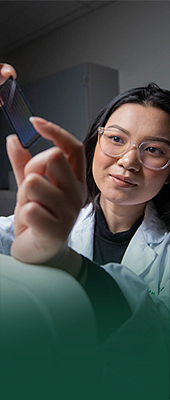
x=46 y=209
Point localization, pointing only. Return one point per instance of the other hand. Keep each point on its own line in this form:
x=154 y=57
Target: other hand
x=6 y=71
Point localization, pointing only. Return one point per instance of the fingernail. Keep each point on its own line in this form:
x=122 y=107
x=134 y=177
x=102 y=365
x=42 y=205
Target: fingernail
x=11 y=135
x=38 y=120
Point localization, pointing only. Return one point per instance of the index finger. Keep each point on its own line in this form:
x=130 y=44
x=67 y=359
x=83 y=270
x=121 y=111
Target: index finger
x=72 y=147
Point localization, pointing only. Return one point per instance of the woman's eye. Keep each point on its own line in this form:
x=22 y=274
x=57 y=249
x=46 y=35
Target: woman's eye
x=116 y=139
x=154 y=150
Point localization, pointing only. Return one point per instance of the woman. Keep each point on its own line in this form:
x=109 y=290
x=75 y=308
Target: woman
x=126 y=218
x=128 y=175
x=128 y=152
x=123 y=176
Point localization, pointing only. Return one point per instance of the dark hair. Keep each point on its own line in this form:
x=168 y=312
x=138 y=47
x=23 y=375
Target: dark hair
x=151 y=95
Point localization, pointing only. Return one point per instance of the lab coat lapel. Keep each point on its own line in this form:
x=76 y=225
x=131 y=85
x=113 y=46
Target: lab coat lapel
x=139 y=255
x=141 y=251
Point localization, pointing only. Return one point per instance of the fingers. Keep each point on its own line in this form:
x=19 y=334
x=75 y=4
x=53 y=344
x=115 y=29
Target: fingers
x=40 y=164
x=31 y=246
x=33 y=215
x=44 y=217
x=44 y=163
x=6 y=71
x=73 y=148
x=18 y=157
x=54 y=165
x=60 y=192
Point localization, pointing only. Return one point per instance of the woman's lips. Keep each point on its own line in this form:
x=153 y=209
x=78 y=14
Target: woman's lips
x=123 y=182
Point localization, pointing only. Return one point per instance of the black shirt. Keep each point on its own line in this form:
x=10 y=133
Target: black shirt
x=108 y=246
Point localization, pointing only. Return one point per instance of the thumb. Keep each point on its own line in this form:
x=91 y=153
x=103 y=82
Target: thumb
x=18 y=157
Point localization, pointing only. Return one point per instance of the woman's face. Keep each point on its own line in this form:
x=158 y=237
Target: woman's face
x=123 y=180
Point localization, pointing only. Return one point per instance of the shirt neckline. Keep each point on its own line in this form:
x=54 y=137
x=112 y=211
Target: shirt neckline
x=103 y=232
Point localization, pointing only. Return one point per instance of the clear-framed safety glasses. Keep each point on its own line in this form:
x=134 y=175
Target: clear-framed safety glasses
x=152 y=154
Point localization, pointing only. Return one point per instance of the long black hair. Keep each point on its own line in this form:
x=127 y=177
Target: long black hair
x=151 y=95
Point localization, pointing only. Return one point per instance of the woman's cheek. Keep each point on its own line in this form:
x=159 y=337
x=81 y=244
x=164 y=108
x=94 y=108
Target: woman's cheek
x=100 y=161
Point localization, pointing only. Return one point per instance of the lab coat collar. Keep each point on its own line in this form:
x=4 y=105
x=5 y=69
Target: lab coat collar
x=154 y=229
x=142 y=249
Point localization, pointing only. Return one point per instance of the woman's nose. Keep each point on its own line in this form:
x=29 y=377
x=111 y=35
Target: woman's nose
x=130 y=160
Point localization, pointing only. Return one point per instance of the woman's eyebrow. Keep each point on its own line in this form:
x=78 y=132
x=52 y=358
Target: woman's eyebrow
x=120 y=129
x=158 y=139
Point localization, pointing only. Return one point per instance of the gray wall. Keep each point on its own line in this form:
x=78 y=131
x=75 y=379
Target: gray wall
x=131 y=36
x=72 y=98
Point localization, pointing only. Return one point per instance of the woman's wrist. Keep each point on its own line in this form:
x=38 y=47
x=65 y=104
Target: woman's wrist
x=60 y=257
x=69 y=261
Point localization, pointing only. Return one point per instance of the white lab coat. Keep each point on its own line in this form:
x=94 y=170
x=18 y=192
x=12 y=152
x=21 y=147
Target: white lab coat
x=146 y=260
x=135 y=358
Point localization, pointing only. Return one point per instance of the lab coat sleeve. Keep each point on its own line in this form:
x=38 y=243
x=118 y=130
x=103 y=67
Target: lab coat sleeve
x=140 y=346
x=6 y=234
x=109 y=304
x=133 y=349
